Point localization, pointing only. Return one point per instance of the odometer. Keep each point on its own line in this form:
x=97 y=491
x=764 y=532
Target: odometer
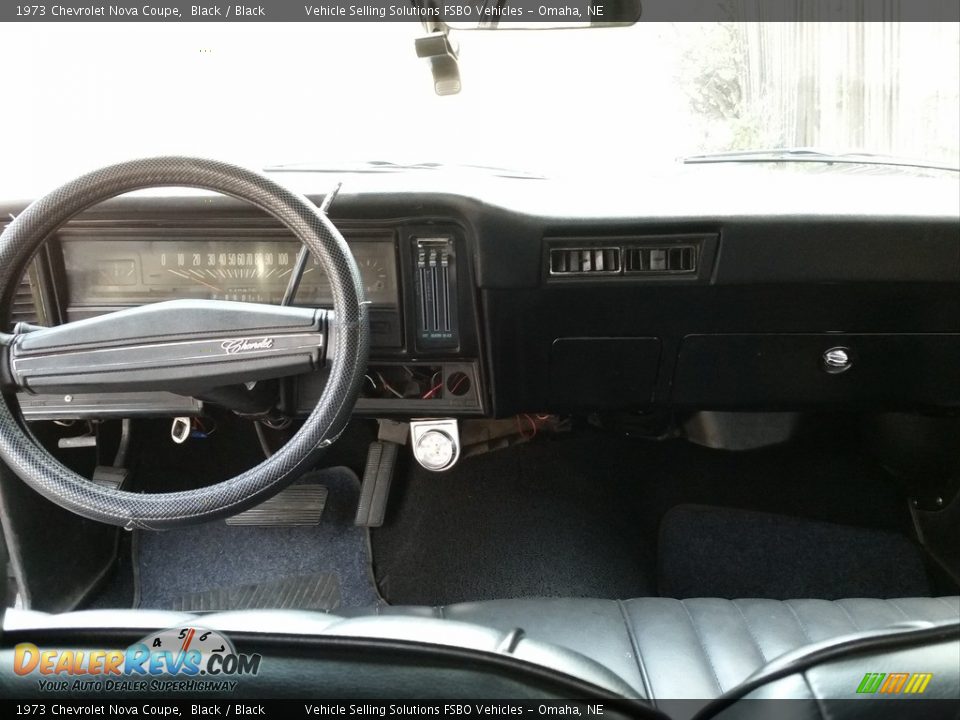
x=137 y=271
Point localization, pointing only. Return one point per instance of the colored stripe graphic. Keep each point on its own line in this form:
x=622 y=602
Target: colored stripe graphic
x=894 y=683
x=870 y=683
x=918 y=683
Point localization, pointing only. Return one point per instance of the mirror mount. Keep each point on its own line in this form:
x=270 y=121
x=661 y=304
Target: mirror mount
x=443 y=54
x=437 y=48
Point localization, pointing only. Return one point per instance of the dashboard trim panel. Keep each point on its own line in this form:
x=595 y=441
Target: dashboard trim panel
x=394 y=340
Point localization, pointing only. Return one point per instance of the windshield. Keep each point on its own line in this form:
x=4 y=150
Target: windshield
x=547 y=102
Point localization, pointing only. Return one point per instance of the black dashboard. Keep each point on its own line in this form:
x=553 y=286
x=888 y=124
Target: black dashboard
x=511 y=302
x=425 y=355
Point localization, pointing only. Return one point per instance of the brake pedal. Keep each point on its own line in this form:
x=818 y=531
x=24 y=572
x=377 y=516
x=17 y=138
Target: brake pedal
x=109 y=476
x=113 y=476
x=293 y=506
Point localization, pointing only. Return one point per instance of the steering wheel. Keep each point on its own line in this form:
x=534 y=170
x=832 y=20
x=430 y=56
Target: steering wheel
x=182 y=346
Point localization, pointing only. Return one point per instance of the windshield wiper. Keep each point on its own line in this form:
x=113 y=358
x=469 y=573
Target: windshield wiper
x=386 y=166
x=801 y=154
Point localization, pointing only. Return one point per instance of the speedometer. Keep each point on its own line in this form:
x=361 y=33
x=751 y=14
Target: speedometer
x=135 y=271
x=220 y=270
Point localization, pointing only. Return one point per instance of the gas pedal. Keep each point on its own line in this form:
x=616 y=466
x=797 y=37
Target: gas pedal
x=375 y=490
x=294 y=506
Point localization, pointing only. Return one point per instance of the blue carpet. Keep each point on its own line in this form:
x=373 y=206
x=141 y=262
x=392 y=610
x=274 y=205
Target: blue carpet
x=214 y=557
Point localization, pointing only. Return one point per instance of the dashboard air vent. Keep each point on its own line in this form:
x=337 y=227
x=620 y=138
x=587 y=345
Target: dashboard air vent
x=630 y=259
x=652 y=259
x=584 y=260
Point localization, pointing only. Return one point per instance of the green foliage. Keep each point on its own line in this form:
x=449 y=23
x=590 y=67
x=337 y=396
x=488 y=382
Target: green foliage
x=712 y=71
x=713 y=75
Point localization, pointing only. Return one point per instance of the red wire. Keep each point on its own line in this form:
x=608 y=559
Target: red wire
x=431 y=391
x=533 y=424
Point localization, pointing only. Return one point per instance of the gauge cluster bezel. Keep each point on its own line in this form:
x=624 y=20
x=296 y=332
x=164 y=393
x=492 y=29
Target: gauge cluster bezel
x=193 y=262
x=387 y=329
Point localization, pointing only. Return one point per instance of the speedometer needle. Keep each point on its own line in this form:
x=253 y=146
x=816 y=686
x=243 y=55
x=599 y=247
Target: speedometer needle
x=187 y=276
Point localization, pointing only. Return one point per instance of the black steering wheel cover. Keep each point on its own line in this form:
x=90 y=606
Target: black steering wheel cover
x=347 y=366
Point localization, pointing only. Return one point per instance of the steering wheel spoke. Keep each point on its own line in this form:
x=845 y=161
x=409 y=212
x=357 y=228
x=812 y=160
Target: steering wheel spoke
x=181 y=346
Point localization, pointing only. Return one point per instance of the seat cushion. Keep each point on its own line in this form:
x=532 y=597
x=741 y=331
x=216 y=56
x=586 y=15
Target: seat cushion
x=699 y=648
x=655 y=648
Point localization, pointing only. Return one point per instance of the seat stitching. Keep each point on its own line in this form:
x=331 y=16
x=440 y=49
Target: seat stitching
x=856 y=625
x=821 y=709
x=638 y=656
x=706 y=653
x=803 y=628
x=894 y=603
x=753 y=637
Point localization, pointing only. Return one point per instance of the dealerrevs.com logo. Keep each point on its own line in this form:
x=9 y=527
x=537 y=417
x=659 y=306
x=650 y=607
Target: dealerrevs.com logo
x=184 y=659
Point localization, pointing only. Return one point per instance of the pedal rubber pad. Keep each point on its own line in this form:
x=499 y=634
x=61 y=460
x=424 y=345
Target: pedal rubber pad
x=375 y=490
x=109 y=477
x=293 y=506
x=320 y=591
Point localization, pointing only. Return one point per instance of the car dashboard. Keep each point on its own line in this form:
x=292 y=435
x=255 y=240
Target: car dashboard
x=493 y=305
